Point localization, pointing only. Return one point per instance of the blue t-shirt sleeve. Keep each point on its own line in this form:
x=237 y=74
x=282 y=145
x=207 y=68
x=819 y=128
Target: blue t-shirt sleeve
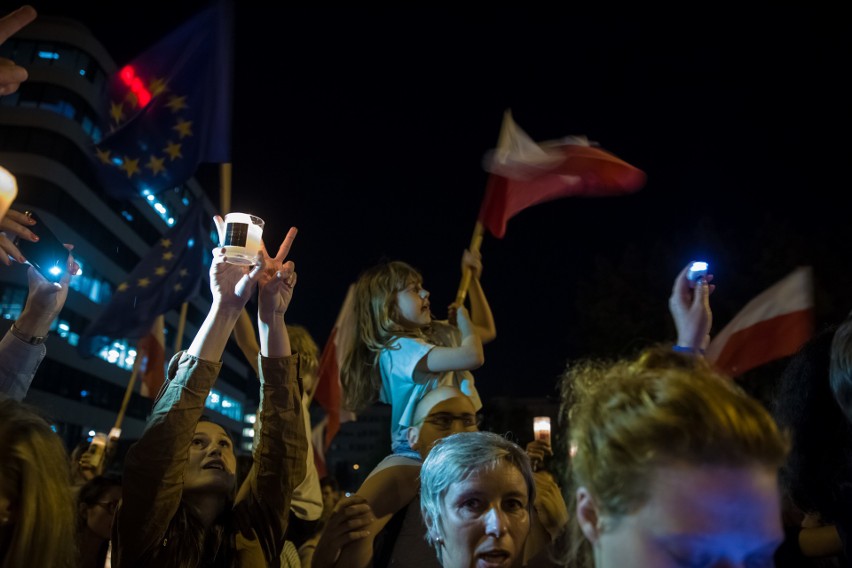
x=398 y=364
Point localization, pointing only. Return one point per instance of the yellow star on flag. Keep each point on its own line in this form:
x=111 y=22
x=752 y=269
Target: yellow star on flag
x=116 y=111
x=122 y=287
x=183 y=128
x=166 y=243
x=130 y=166
x=142 y=282
x=178 y=287
x=160 y=271
x=156 y=87
x=168 y=255
x=103 y=155
x=173 y=150
x=155 y=164
x=183 y=272
x=176 y=103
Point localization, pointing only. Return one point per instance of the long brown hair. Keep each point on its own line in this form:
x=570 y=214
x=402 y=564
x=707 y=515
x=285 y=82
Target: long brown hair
x=377 y=325
x=34 y=473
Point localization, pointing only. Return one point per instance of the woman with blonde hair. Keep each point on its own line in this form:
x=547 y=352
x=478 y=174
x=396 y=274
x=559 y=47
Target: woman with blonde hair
x=37 y=518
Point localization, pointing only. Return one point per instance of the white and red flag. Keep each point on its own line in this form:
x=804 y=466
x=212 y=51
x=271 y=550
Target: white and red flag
x=151 y=349
x=525 y=173
x=329 y=393
x=775 y=324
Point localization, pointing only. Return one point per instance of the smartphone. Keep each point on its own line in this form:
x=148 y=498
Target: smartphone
x=697 y=270
x=49 y=256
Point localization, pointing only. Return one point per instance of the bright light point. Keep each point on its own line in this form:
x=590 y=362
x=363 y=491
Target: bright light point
x=150 y=197
x=55 y=270
x=171 y=221
x=251 y=418
x=146 y=192
x=117 y=161
x=131 y=353
x=190 y=243
x=82 y=72
x=84 y=393
x=160 y=208
x=348 y=494
x=226 y=403
x=248 y=432
x=64 y=327
x=48 y=55
x=92 y=432
x=356 y=467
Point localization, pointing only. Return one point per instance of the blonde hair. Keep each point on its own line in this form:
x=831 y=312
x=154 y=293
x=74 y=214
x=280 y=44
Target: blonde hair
x=376 y=326
x=302 y=343
x=629 y=417
x=35 y=475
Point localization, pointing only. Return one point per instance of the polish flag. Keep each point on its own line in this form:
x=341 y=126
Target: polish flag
x=151 y=350
x=775 y=324
x=329 y=393
x=525 y=173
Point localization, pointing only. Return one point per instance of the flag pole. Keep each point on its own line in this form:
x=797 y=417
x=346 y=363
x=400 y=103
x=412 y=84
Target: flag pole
x=128 y=391
x=181 y=325
x=475 y=244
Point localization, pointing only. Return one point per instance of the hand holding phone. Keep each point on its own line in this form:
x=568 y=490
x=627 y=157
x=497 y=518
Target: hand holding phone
x=697 y=271
x=49 y=256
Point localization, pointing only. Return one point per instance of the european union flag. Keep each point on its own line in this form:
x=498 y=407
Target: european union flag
x=166 y=277
x=170 y=109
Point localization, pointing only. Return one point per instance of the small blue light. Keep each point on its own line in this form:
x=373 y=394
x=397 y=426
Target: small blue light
x=117 y=161
x=185 y=200
x=55 y=270
x=190 y=243
x=82 y=72
x=84 y=393
x=171 y=221
x=127 y=215
x=48 y=55
x=53 y=427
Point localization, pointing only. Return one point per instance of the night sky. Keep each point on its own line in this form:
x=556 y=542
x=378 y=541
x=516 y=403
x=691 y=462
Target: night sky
x=367 y=128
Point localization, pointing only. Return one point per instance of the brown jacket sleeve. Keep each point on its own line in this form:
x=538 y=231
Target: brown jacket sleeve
x=155 y=464
x=280 y=454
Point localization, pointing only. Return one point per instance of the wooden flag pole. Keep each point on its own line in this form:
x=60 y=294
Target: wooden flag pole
x=181 y=325
x=475 y=244
x=128 y=391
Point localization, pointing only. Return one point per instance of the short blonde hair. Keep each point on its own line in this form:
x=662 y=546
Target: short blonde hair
x=630 y=417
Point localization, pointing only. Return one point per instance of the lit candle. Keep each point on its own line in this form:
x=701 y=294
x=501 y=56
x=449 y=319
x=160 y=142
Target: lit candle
x=541 y=428
x=8 y=190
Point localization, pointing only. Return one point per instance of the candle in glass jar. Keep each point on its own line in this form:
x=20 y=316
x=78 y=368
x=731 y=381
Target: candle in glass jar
x=541 y=428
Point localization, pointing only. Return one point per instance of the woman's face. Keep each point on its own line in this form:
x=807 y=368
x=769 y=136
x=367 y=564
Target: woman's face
x=697 y=516
x=486 y=520
x=212 y=465
x=99 y=515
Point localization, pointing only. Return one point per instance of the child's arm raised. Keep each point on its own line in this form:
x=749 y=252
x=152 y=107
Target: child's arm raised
x=467 y=357
x=480 y=311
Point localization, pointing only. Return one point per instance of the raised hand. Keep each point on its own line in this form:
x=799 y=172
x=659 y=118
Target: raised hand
x=45 y=299
x=472 y=261
x=16 y=223
x=11 y=75
x=690 y=309
x=277 y=280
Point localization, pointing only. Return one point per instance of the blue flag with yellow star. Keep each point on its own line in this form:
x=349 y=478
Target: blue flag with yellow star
x=166 y=277
x=170 y=109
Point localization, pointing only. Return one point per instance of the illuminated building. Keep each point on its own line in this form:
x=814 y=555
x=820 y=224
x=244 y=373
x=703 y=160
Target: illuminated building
x=46 y=131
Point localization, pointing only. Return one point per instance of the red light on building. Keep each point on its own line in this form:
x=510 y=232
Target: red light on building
x=134 y=83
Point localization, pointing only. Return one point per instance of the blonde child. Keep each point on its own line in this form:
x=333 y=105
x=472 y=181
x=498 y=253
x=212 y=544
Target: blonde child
x=399 y=353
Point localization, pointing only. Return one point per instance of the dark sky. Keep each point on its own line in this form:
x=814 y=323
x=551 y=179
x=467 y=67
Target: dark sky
x=366 y=129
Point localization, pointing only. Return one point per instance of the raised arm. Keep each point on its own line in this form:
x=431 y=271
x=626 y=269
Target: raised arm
x=155 y=465
x=11 y=75
x=281 y=446
x=467 y=357
x=22 y=349
x=480 y=311
x=689 y=305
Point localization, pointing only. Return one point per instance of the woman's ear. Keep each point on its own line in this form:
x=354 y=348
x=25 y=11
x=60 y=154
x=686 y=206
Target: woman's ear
x=431 y=528
x=588 y=515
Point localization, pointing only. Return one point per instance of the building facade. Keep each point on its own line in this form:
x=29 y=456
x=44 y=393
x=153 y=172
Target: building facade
x=47 y=130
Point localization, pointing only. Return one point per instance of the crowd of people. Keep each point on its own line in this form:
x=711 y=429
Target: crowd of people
x=669 y=462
